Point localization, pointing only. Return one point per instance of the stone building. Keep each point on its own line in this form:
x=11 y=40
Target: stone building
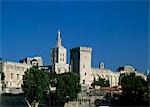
x=108 y=74
x=35 y=61
x=59 y=57
x=80 y=61
x=14 y=71
x=130 y=69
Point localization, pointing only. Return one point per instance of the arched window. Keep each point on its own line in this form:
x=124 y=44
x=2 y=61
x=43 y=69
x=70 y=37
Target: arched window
x=102 y=76
x=83 y=81
x=115 y=80
x=11 y=75
x=17 y=76
x=96 y=77
x=10 y=84
x=59 y=71
x=107 y=78
x=110 y=79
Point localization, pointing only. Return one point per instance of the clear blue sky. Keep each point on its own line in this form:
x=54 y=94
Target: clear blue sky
x=117 y=31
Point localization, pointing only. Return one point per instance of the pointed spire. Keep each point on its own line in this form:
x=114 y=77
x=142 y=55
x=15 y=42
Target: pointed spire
x=58 y=40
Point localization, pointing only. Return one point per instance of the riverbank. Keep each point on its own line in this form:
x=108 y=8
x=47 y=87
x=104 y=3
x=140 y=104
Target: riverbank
x=10 y=100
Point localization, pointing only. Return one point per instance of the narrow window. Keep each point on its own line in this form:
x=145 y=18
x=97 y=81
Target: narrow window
x=58 y=71
x=10 y=84
x=17 y=76
x=11 y=67
x=6 y=83
x=83 y=81
x=18 y=84
x=11 y=75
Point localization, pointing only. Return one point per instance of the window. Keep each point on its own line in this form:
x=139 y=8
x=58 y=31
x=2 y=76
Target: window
x=18 y=84
x=11 y=67
x=85 y=73
x=10 y=84
x=58 y=71
x=6 y=83
x=83 y=81
x=63 y=54
x=11 y=75
x=60 y=59
x=17 y=76
x=63 y=59
x=8 y=67
x=83 y=66
x=60 y=54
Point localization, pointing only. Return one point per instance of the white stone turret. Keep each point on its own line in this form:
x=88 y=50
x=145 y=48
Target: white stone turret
x=101 y=65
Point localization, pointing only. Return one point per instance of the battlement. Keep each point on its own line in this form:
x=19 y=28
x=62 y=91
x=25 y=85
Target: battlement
x=37 y=57
x=16 y=63
x=86 y=49
x=81 y=48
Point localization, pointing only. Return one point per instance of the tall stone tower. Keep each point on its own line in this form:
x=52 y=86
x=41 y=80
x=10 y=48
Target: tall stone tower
x=58 y=57
x=80 y=60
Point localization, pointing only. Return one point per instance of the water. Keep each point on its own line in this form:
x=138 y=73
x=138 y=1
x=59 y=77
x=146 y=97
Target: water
x=12 y=101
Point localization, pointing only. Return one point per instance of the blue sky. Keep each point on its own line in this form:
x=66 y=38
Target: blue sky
x=117 y=31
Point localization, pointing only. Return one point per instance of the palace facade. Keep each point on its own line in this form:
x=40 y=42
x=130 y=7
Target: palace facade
x=80 y=63
x=14 y=71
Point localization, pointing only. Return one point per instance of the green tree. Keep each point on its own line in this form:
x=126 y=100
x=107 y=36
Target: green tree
x=97 y=102
x=135 y=89
x=101 y=82
x=67 y=88
x=3 y=81
x=35 y=86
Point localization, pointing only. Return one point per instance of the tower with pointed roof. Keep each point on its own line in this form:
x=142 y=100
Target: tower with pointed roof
x=59 y=56
x=58 y=41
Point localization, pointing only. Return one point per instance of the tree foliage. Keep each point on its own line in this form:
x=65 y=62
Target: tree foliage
x=2 y=76
x=101 y=82
x=135 y=89
x=67 y=88
x=2 y=80
x=97 y=102
x=35 y=85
